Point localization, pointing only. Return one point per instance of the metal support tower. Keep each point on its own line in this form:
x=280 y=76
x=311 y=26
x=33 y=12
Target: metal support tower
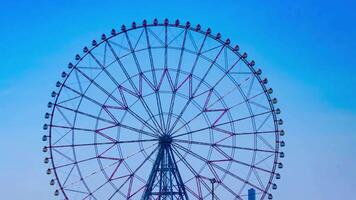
x=165 y=182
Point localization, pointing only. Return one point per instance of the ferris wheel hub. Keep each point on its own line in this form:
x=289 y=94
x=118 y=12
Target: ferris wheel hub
x=165 y=139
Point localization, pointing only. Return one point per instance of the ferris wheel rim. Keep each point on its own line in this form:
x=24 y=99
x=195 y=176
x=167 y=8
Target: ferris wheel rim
x=191 y=29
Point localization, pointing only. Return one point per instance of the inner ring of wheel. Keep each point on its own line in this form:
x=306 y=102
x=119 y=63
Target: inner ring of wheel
x=144 y=152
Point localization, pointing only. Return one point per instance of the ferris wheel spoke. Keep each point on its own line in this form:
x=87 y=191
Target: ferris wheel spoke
x=103 y=168
x=118 y=85
x=230 y=190
x=219 y=99
x=217 y=125
x=264 y=159
x=156 y=36
x=191 y=169
x=68 y=175
x=103 y=143
x=191 y=72
x=64 y=116
x=103 y=106
x=193 y=41
x=206 y=110
x=197 y=87
x=248 y=100
x=134 y=171
x=148 y=111
x=139 y=38
x=99 y=131
x=91 y=194
x=226 y=72
x=222 y=145
x=83 y=178
x=77 y=191
x=61 y=137
x=156 y=86
x=171 y=106
x=85 y=114
x=149 y=49
x=163 y=122
x=258 y=178
x=176 y=37
x=206 y=161
x=75 y=162
x=238 y=86
x=186 y=163
x=264 y=121
x=67 y=100
x=211 y=164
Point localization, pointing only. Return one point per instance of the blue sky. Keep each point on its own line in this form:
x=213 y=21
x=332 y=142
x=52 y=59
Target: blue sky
x=305 y=48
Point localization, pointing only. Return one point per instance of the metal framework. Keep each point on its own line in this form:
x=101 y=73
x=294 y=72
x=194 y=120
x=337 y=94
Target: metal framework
x=163 y=111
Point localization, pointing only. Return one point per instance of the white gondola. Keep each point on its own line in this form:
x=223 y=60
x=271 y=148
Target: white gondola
x=280 y=122
x=274 y=186
x=58 y=84
x=280 y=165
x=270 y=196
x=94 y=43
x=259 y=72
x=49 y=104
x=265 y=81
x=274 y=100
x=165 y=22
x=187 y=24
x=281 y=155
x=270 y=91
x=155 y=22
x=113 y=31
x=283 y=144
x=47 y=115
x=281 y=133
x=244 y=55
x=70 y=65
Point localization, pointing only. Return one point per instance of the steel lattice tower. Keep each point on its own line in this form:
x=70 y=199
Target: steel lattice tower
x=165 y=181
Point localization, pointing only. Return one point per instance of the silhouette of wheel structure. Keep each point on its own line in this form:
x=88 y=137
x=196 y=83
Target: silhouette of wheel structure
x=163 y=111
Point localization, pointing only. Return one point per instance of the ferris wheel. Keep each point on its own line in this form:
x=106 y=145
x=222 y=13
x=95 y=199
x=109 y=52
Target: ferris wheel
x=163 y=111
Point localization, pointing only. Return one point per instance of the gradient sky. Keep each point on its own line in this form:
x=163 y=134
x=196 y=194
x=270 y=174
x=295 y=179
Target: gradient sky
x=307 y=49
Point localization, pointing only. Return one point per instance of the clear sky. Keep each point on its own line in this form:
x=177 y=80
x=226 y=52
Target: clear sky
x=307 y=49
